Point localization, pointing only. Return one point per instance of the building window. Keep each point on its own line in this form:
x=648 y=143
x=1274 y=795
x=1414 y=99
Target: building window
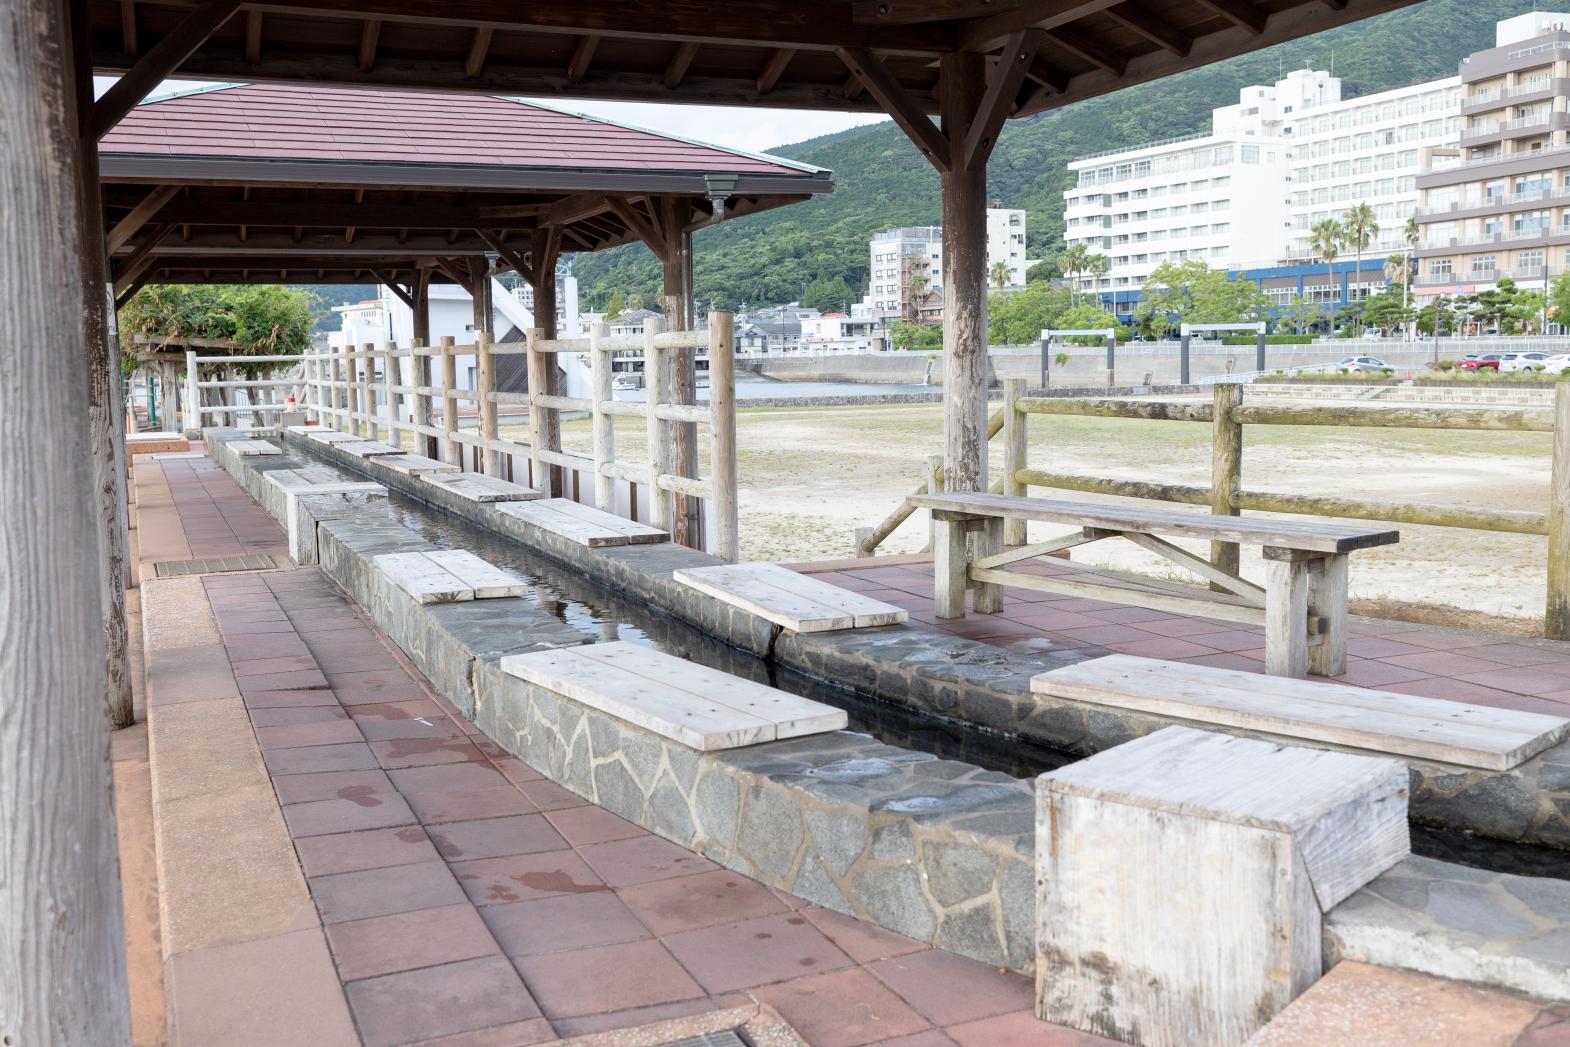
x=1482 y=263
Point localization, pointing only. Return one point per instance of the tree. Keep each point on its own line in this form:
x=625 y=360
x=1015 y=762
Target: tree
x=1046 y=269
x=1000 y=274
x=261 y=320
x=1411 y=233
x=615 y=307
x=1019 y=316
x=906 y=335
x=1385 y=310
x=1097 y=265
x=828 y=295
x=1072 y=260
x=916 y=282
x=1324 y=239
x=1298 y=315
x=1358 y=229
x=1192 y=292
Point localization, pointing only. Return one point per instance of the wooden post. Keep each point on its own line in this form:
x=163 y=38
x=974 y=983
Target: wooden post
x=1016 y=428
x=351 y=395
x=193 y=396
x=722 y=434
x=390 y=378
x=964 y=277
x=373 y=431
x=1556 y=623
x=604 y=424
x=539 y=385
x=420 y=371
x=546 y=247
x=453 y=451
x=934 y=485
x=950 y=565
x=1286 y=612
x=682 y=363
x=1226 y=471
x=62 y=966
x=1327 y=585
x=485 y=383
x=656 y=390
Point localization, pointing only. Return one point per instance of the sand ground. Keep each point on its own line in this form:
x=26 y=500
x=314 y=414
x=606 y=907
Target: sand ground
x=810 y=476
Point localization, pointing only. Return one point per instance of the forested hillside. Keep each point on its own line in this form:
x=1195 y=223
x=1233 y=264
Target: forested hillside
x=881 y=181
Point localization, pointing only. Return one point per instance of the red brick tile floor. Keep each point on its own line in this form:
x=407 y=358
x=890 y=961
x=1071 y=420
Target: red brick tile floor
x=1505 y=671
x=218 y=517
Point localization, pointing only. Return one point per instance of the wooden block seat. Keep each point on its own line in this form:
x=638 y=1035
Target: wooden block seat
x=311 y=476
x=797 y=602
x=367 y=448
x=155 y=443
x=1302 y=605
x=1353 y=717
x=1183 y=878
x=477 y=487
x=305 y=430
x=417 y=465
x=580 y=523
x=449 y=576
x=177 y=456
x=332 y=436
x=691 y=704
x=252 y=448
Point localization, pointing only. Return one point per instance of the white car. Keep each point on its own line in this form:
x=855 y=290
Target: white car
x=1363 y=364
x=1557 y=363
x=1519 y=362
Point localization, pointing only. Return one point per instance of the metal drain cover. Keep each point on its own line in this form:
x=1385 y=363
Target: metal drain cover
x=724 y=1038
x=215 y=565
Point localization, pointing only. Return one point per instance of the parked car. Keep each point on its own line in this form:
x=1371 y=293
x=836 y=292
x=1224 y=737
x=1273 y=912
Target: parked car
x=1363 y=364
x=1480 y=362
x=1515 y=363
x=1556 y=363
x=1373 y=333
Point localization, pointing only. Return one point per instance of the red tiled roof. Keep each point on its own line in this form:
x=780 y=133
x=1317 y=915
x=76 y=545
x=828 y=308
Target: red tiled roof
x=299 y=122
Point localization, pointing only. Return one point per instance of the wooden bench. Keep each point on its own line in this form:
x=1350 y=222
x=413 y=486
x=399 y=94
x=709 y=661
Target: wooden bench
x=694 y=705
x=1303 y=604
x=332 y=436
x=793 y=601
x=1292 y=710
x=417 y=465
x=252 y=448
x=449 y=576
x=583 y=524
x=367 y=448
x=477 y=487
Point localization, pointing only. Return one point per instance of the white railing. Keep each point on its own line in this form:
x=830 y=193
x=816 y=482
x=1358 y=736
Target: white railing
x=257 y=393
x=342 y=390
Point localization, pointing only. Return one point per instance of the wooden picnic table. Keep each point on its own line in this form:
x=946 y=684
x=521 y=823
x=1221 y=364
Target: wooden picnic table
x=1302 y=605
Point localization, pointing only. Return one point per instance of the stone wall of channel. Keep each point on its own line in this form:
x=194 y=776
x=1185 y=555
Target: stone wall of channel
x=961 y=680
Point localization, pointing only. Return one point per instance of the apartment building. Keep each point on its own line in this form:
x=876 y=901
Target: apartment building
x=1498 y=202
x=905 y=265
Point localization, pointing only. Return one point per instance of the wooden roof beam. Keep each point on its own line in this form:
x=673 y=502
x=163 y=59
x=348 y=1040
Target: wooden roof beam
x=128 y=26
x=513 y=258
x=582 y=55
x=253 y=37
x=319 y=215
x=140 y=258
x=1003 y=83
x=131 y=224
x=984 y=34
x=1240 y=13
x=1089 y=50
x=899 y=103
x=370 y=34
x=1135 y=16
x=640 y=226
x=774 y=68
x=386 y=277
x=165 y=57
x=913 y=12
x=680 y=62
x=571 y=208
x=479 y=47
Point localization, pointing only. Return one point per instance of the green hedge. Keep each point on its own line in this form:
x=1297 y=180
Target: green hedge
x=1270 y=339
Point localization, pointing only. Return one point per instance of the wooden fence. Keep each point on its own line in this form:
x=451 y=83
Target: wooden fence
x=1225 y=495
x=342 y=390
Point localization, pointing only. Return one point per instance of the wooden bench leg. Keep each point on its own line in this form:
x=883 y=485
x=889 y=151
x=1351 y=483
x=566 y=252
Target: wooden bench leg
x=1286 y=617
x=989 y=542
x=1327 y=585
x=949 y=565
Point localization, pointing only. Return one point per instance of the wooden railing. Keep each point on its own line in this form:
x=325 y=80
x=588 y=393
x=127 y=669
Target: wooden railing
x=1225 y=495
x=342 y=391
x=260 y=392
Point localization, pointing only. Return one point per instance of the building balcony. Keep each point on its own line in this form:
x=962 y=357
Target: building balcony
x=1489 y=64
x=1488 y=276
x=1528 y=162
x=1520 y=94
x=1513 y=237
x=1504 y=130
x=1492 y=205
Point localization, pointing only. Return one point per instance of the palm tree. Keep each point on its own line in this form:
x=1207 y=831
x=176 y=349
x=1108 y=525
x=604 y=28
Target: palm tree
x=1411 y=234
x=1001 y=274
x=1072 y=261
x=916 y=283
x=1358 y=229
x=1324 y=239
x=1097 y=265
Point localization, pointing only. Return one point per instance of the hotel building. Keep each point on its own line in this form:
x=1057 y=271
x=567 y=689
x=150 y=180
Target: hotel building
x=897 y=255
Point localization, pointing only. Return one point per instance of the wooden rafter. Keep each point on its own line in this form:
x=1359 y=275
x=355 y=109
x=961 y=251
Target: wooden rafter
x=582 y=55
x=911 y=12
x=1135 y=16
x=1240 y=13
x=165 y=57
x=1003 y=84
x=854 y=88
x=370 y=33
x=387 y=279
x=366 y=216
x=640 y=226
x=984 y=34
x=253 y=37
x=479 y=47
x=128 y=26
x=127 y=227
x=899 y=103
x=774 y=68
x=680 y=62
x=513 y=258
x=1089 y=50
x=140 y=258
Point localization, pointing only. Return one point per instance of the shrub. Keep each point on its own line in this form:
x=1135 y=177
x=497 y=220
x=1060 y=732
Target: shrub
x=1061 y=359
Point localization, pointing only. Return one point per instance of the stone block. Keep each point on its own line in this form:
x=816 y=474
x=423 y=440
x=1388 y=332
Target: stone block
x=1184 y=876
x=304 y=508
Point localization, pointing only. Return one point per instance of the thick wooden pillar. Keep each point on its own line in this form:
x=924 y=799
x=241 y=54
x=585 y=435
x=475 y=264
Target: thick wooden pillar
x=420 y=366
x=546 y=248
x=964 y=280
x=680 y=316
x=62 y=948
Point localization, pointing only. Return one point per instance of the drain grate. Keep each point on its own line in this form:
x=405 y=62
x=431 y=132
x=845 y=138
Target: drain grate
x=723 y=1038
x=216 y=565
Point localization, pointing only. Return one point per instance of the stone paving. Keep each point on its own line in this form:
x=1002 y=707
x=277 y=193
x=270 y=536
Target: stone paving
x=463 y=899
x=1481 y=668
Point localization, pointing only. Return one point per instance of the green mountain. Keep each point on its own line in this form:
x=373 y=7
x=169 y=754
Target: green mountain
x=881 y=181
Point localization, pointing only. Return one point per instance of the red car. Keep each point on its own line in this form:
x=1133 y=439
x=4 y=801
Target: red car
x=1480 y=361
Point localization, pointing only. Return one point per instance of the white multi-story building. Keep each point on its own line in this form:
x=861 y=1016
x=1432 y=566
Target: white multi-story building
x=897 y=255
x=1246 y=195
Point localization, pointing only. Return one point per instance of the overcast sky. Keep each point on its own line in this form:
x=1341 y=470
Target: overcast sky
x=757 y=130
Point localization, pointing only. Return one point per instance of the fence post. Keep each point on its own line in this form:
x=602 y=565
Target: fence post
x=539 y=385
x=351 y=393
x=420 y=404
x=1015 y=426
x=193 y=395
x=373 y=429
x=656 y=390
x=454 y=452
x=722 y=434
x=390 y=379
x=485 y=379
x=1183 y=346
x=1556 y=622
x=934 y=486
x=1226 y=470
x=1046 y=349
x=1259 y=349
x=604 y=424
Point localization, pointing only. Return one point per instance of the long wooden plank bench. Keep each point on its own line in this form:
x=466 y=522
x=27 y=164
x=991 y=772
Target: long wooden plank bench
x=797 y=602
x=333 y=436
x=449 y=576
x=583 y=524
x=477 y=487
x=1303 y=710
x=367 y=448
x=699 y=707
x=417 y=465
x=252 y=448
x=1302 y=605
